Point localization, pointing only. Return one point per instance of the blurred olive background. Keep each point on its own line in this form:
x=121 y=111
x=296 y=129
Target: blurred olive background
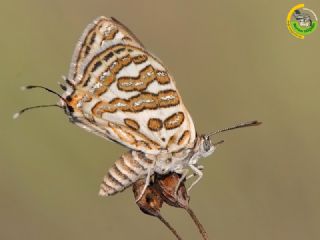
x=232 y=61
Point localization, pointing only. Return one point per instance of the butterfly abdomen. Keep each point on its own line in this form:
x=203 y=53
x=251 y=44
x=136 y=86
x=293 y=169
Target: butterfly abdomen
x=130 y=167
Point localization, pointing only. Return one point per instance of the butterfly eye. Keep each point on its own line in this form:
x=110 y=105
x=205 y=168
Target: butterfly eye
x=207 y=144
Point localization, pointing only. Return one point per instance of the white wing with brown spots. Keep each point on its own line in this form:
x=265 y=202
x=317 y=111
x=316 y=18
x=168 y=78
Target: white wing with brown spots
x=123 y=93
x=99 y=32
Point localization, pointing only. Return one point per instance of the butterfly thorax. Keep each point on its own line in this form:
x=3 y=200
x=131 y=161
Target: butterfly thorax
x=179 y=161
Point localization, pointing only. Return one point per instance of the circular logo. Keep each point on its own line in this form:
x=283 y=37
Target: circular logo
x=301 y=21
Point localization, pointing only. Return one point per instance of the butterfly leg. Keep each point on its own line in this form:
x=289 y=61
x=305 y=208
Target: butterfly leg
x=200 y=167
x=181 y=179
x=197 y=172
x=147 y=182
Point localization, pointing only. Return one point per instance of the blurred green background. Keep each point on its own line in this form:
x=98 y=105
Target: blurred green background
x=232 y=61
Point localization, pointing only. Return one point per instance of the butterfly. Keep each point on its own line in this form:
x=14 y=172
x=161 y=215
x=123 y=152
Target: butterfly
x=118 y=90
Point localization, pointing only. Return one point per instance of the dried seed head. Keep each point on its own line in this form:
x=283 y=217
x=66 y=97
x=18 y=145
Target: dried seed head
x=171 y=193
x=151 y=201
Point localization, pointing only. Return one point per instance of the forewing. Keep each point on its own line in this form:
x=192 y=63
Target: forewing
x=100 y=32
x=129 y=97
x=121 y=92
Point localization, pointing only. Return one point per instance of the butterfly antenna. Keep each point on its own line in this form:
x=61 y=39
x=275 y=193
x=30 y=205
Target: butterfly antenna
x=45 y=88
x=218 y=143
x=16 y=115
x=240 y=125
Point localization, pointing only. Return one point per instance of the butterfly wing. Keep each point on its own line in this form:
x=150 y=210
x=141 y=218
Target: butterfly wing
x=125 y=94
x=102 y=30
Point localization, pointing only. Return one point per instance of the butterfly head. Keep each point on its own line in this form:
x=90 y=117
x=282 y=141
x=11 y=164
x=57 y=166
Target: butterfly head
x=206 y=147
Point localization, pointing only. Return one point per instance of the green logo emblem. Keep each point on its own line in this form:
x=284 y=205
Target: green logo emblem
x=301 y=21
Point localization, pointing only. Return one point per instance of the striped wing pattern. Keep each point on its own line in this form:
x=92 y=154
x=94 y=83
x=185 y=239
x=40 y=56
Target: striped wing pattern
x=123 y=93
x=97 y=34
